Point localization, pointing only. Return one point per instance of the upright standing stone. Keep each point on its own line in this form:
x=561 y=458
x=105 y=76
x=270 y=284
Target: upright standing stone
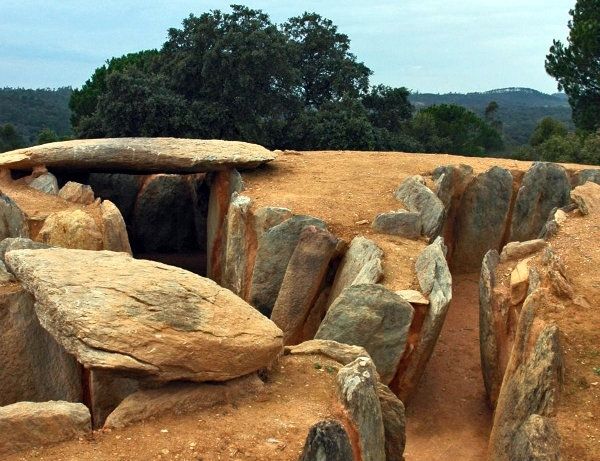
x=327 y=441
x=417 y=197
x=482 y=218
x=120 y=189
x=71 y=229
x=373 y=317
x=357 y=389
x=304 y=277
x=13 y=222
x=274 y=252
x=360 y=264
x=545 y=186
x=239 y=239
x=114 y=233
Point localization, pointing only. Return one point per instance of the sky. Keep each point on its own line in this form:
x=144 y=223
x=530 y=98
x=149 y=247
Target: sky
x=426 y=45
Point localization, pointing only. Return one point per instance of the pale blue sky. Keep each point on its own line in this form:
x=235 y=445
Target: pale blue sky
x=426 y=45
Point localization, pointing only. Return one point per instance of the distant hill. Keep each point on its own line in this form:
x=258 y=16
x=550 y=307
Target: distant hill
x=520 y=109
x=30 y=111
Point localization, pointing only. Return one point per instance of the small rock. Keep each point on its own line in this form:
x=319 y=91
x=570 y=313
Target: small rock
x=403 y=223
x=77 y=193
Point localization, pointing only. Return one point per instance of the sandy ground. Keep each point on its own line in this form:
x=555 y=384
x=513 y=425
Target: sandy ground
x=448 y=417
x=270 y=426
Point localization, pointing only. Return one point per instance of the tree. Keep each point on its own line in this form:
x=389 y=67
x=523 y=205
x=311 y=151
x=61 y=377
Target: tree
x=328 y=71
x=547 y=128
x=559 y=148
x=454 y=129
x=388 y=108
x=576 y=65
x=46 y=136
x=491 y=116
x=10 y=139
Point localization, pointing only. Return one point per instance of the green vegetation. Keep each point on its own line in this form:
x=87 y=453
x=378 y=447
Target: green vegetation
x=9 y=138
x=30 y=111
x=576 y=65
x=295 y=86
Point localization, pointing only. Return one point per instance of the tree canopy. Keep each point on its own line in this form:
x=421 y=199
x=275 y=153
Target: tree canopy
x=576 y=64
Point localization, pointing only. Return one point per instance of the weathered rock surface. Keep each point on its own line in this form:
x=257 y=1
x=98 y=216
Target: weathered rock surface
x=518 y=250
x=482 y=218
x=19 y=243
x=33 y=366
x=435 y=281
x=238 y=241
x=163 y=219
x=537 y=440
x=275 y=249
x=223 y=184
x=77 y=193
x=394 y=423
x=327 y=441
x=488 y=343
x=587 y=198
x=304 y=277
x=451 y=181
x=120 y=189
x=145 y=318
x=46 y=183
x=519 y=282
x=71 y=229
x=403 y=223
x=588 y=175
x=373 y=317
x=12 y=220
x=340 y=352
x=357 y=389
x=114 y=236
x=107 y=391
x=532 y=381
x=268 y=216
x=360 y=265
x=417 y=197
x=544 y=187
x=27 y=425
x=140 y=155
x=413 y=297
x=181 y=398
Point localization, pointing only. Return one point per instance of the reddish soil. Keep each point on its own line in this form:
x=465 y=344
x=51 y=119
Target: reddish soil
x=448 y=417
x=271 y=426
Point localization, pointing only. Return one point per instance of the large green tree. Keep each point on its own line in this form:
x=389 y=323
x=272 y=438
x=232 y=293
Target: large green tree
x=576 y=64
x=10 y=138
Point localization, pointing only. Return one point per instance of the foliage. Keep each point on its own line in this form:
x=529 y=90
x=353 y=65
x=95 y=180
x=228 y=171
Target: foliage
x=452 y=128
x=10 y=139
x=546 y=129
x=47 y=135
x=30 y=111
x=576 y=65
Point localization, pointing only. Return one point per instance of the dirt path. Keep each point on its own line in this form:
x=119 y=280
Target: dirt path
x=448 y=417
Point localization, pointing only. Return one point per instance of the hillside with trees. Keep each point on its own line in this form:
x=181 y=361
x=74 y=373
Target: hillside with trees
x=31 y=111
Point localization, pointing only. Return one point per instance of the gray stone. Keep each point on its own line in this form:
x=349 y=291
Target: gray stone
x=435 y=281
x=5 y=276
x=19 y=243
x=518 y=250
x=482 y=218
x=544 y=186
x=120 y=189
x=394 y=423
x=33 y=366
x=144 y=318
x=26 y=425
x=360 y=265
x=532 y=381
x=163 y=220
x=588 y=175
x=46 y=183
x=275 y=249
x=140 y=155
x=237 y=250
x=304 y=277
x=373 y=317
x=357 y=389
x=267 y=217
x=488 y=344
x=403 y=223
x=417 y=197
x=340 y=352
x=450 y=182
x=327 y=441
x=536 y=440
x=13 y=222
